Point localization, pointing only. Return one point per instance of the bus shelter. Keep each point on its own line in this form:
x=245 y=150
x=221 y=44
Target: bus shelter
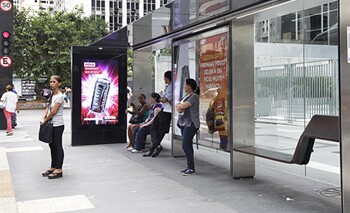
x=268 y=71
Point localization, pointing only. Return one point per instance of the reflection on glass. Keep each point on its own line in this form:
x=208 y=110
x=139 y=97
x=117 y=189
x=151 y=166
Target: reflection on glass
x=184 y=67
x=212 y=7
x=296 y=72
x=309 y=26
x=181 y=13
x=161 y=22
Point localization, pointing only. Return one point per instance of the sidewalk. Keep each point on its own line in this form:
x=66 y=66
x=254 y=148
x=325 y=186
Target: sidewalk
x=108 y=178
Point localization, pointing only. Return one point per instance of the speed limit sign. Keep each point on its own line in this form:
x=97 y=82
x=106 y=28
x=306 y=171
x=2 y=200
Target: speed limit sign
x=5 y=61
x=5 y=5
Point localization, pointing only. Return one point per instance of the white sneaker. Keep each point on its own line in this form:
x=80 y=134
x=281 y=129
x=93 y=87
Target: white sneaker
x=130 y=148
x=135 y=151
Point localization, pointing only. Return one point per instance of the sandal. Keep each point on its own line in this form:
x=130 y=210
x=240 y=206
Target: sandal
x=55 y=175
x=47 y=173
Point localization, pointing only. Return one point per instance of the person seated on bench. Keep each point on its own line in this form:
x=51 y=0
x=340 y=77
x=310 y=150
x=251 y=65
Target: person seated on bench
x=144 y=129
x=139 y=115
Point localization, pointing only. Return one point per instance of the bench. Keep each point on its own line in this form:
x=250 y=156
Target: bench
x=320 y=127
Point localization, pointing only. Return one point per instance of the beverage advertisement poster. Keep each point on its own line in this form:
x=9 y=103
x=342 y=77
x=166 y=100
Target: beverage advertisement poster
x=99 y=92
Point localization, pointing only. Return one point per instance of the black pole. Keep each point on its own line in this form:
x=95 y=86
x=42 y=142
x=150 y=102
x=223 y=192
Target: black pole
x=6 y=50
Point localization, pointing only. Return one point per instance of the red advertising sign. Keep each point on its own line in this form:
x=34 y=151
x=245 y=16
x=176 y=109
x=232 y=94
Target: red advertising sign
x=213 y=62
x=213 y=53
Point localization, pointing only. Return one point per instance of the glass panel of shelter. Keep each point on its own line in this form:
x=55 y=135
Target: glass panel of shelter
x=204 y=58
x=296 y=76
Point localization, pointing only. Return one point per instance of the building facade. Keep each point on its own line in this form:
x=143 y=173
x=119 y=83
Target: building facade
x=55 y=5
x=119 y=13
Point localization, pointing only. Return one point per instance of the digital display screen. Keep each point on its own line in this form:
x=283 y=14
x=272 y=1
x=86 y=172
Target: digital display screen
x=99 y=92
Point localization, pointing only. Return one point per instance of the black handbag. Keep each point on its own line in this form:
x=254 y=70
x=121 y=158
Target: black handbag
x=45 y=132
x=135 y=119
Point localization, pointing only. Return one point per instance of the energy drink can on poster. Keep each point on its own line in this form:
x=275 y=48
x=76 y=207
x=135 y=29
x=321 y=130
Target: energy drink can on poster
x=99 y=98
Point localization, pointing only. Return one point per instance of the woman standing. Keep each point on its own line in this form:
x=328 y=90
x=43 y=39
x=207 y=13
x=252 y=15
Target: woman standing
x=54 y=112
x=188 y=121
x=11 y=106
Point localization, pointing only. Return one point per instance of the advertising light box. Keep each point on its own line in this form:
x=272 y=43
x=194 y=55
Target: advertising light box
x=99 y=92
x=99 y=79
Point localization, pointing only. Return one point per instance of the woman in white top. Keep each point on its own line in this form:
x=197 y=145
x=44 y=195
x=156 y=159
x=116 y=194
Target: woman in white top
x=11 y=106
x=54 y=112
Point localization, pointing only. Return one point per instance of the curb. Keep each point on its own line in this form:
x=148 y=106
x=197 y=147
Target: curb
x=7 y=195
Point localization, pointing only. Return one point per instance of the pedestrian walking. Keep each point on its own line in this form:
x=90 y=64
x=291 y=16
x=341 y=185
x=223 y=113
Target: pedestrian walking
x=54 y=114
x=10 y=101
x=188 y=122
x=68 y=92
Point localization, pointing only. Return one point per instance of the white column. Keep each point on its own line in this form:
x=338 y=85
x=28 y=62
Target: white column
x=141 y=9
x=107 y=12
x=124 y=11
x=157 y=4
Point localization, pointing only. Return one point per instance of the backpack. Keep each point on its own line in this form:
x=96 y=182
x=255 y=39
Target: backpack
x=209 y=119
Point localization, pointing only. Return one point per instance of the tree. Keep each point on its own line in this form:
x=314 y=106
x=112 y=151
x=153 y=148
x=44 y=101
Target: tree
x=43 y=40
x=130 y=62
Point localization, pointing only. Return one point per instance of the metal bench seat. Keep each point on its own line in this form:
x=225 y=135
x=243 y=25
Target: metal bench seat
x=320 y=127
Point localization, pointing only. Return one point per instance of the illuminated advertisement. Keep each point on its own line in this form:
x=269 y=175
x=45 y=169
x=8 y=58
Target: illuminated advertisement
x=213 y=84
x=99 y=92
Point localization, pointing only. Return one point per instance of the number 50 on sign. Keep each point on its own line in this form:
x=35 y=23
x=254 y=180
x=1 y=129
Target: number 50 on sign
x=5 y=5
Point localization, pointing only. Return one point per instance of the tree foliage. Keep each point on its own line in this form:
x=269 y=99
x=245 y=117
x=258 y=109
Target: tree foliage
x=130 y=62
x=43 y=40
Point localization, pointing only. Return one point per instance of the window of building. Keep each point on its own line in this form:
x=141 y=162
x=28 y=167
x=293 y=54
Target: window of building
x=316 y=25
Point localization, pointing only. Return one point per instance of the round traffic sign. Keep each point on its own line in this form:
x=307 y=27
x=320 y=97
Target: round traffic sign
x=5 y=5
x=5 y=61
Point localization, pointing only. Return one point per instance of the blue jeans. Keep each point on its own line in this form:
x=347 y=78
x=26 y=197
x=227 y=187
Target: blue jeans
x=187 y=143
x=140 y=135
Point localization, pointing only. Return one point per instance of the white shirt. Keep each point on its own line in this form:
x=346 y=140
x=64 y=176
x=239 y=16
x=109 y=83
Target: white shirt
x=11 y=101
x=57 y=119
x=168 y=94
